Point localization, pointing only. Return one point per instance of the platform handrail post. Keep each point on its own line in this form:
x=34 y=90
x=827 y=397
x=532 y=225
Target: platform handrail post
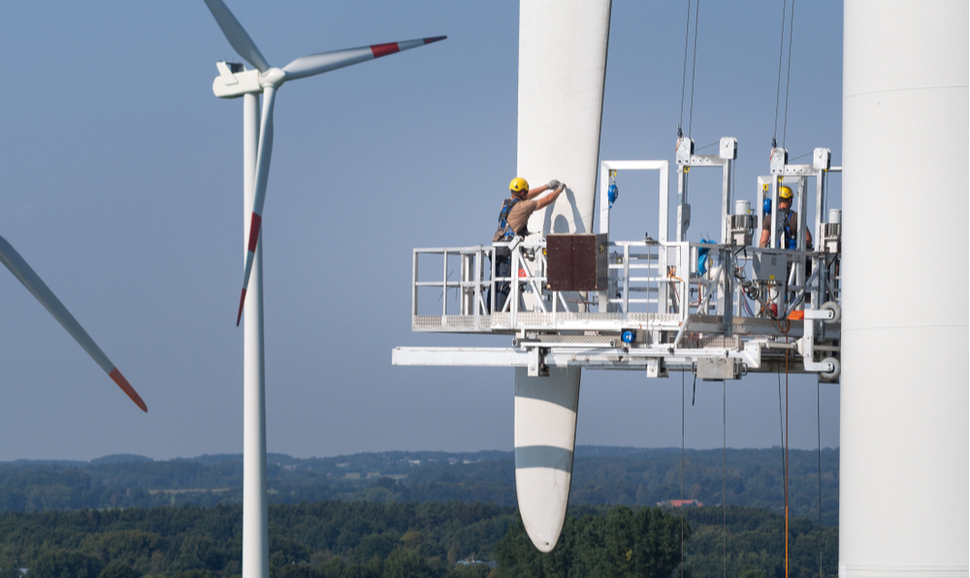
x=626 y=280
x=414 y=285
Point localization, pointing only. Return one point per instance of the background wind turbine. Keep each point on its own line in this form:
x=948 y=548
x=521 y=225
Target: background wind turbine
x=267 y=79
x=234 y=82
x=22 y=271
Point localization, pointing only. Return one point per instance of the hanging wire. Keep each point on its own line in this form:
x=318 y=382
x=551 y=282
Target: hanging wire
x=781 y=53
x=781 y=420
x=786 y=457
x=683 y=437
x=693 y=71
x=791 y=33
x=724 y=474
x=818 y=430
x=683 y=82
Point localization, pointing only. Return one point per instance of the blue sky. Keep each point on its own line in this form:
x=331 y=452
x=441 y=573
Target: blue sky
x=121 y=183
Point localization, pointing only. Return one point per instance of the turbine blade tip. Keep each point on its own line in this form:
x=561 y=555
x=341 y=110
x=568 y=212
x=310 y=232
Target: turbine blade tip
x=242 y=301
x=434 y=39
x=128 y=389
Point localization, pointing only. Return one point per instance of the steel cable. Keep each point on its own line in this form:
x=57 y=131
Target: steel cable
x=781 y=54
x=791 y=33
x=693 y=71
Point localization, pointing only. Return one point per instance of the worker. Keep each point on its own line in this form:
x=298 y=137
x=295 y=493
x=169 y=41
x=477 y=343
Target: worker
x=787 y=220
x=513 y=221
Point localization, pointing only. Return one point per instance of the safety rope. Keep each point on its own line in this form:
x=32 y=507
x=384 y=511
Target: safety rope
x=818 y=430
x=683 y=437
x=781 y=54
x=791 y=33
x=786 y=456
x=693 y=71
x=683 y=82
x=724 y=474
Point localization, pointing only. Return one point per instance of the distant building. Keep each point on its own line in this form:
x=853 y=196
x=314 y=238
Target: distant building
x=680 y=504
x=472 y=562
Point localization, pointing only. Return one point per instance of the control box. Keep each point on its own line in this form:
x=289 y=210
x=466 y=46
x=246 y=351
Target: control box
x=576 y=262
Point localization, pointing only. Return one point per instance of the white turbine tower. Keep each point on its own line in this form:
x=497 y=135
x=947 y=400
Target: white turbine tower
x=234 y=82
x=22 y=271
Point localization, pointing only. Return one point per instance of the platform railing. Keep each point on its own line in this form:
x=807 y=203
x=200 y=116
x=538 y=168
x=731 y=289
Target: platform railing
x=652 y=284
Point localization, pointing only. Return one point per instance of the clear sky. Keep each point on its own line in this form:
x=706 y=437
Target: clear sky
x=121 y=184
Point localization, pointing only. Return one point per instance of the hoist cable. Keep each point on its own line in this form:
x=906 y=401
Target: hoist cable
x=693 y=71
x=786 y=457
x=781 y=420
x=791 y=33
x=781 y=53
x=683 y=436
x=683 y=83
x=724 y=474
x=818 y=430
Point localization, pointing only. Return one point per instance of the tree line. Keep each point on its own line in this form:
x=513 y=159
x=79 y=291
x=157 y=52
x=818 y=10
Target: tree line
x=397 y=540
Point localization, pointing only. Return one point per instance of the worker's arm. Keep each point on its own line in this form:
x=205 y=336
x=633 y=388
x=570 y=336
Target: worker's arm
x=533 y=193
x=765 y=236
x=808 y=238
x=549 y=199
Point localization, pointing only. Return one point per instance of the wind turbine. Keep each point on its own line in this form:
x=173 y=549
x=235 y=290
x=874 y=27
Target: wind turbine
x=233 y=81
x=22 y=271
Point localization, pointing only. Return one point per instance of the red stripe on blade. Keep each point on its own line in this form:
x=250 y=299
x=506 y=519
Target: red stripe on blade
x=254 y=232
x=242 y=300
x=127 y=388
x=434 y=39
x=384 y=49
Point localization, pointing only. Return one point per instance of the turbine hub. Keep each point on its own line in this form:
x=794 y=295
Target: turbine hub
x=273 y=77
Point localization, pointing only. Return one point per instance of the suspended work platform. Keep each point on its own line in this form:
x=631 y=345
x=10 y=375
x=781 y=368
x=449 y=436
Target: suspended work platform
x=719 y=310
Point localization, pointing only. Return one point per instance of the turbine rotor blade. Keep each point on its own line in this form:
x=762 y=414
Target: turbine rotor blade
x=22 y=271
x=263 y=156
x=327 y=61
x=236 y=35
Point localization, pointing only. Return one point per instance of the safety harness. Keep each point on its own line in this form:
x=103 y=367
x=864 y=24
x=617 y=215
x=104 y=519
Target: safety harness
x=790 y=239
x=503 y=218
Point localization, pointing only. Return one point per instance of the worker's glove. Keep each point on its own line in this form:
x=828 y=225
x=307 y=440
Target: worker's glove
x=552 y=184
x=563 y=186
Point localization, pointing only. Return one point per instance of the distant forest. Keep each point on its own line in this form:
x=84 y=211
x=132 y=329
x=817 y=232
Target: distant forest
x=601 y=476
x=412 y=540
x=420 y=514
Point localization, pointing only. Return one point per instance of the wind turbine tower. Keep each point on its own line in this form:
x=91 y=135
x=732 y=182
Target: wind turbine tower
x=233 y=82
x=904 y=421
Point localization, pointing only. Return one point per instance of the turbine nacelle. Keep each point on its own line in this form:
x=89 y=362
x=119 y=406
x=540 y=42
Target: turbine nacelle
x=234 y=80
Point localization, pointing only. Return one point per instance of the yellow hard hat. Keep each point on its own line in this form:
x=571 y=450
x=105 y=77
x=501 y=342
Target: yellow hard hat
x=518 y=185
x=784 y=193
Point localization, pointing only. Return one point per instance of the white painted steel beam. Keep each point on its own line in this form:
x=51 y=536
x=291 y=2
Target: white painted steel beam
x=459 y=357
x=903 y=479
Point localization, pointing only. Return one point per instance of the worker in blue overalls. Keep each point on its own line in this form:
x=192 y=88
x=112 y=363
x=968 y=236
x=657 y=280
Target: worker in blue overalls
x=787 y=221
